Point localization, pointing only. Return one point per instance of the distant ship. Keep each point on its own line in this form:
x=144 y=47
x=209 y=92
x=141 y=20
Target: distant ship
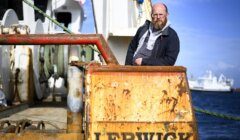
x=209 y=82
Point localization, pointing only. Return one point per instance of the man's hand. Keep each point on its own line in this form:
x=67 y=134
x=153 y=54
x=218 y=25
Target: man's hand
x=138 y=61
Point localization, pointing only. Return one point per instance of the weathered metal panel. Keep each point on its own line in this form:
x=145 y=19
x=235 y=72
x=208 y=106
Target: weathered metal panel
x=131 y=102
x=74 y=122
x=42 y=136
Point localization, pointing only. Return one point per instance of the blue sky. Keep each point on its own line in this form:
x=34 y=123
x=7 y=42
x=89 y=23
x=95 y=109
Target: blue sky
x=209 y=32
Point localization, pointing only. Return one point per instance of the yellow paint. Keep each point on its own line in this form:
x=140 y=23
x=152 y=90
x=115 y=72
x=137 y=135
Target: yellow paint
x=129 y=103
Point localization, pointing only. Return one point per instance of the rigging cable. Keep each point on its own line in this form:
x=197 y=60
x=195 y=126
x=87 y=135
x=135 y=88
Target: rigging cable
x=53 y=20
x=219 y=115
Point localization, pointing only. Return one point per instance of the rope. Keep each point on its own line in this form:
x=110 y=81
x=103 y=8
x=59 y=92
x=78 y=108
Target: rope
x=54 y=21
x=219 y=115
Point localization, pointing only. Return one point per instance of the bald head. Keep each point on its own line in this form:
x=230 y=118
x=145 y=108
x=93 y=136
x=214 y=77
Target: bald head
x=159 y=6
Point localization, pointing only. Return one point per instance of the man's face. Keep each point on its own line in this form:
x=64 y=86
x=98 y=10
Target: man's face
x=159 y=17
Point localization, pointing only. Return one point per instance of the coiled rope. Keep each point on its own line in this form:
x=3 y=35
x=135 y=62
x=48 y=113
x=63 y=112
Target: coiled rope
x=219 y=115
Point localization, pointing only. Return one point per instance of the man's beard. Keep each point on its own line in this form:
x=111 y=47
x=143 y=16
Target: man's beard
x=159 y=25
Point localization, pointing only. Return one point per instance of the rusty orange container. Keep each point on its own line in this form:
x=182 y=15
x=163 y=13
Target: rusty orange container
x=139 y=103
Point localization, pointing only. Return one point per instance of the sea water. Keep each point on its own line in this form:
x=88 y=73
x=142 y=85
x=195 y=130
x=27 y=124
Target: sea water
x=217 y=128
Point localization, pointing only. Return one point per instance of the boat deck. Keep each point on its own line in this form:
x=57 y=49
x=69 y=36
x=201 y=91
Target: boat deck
x=54 y=115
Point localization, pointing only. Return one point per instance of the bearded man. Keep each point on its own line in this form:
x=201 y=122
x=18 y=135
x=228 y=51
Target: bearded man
x=155 y=43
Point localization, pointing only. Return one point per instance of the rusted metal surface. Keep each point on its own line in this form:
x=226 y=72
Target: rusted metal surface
x=50 y=39
x=131 y=102
x=42 y=136
x=119 y=68
x=74 y=122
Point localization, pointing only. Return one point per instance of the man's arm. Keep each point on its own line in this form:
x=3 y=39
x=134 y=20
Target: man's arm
x=134 y=43
x=131 y=49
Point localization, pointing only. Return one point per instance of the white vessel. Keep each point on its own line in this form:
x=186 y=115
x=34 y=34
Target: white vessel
x=209 y=82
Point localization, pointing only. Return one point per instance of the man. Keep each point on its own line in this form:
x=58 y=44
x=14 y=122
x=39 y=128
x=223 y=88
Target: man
x=155 y=43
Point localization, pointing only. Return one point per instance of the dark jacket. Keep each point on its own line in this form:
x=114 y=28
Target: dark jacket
x=165 y=51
